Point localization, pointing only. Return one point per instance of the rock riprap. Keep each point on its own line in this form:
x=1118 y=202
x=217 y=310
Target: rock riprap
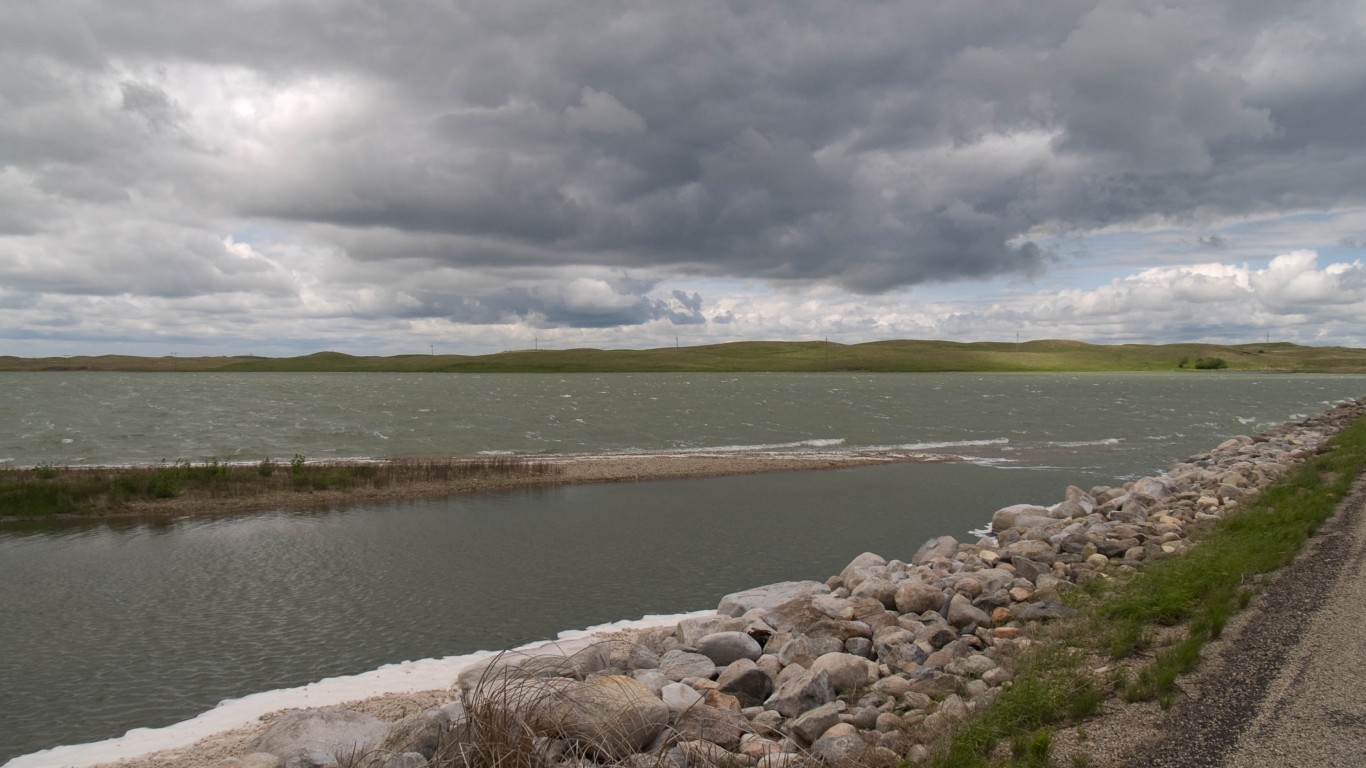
x=865 y=668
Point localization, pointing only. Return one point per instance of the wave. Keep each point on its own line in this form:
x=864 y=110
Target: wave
x=1088 y=443
x=935 y=446
x=826 y=442
x=230 y=714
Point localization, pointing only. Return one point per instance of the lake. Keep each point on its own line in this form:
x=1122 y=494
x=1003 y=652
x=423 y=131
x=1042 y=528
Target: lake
x=120 y=625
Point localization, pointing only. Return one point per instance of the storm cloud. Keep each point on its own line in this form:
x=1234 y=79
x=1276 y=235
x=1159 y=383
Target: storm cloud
x=565 y=165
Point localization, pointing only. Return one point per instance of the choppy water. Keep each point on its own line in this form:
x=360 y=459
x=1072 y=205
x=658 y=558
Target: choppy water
x=110 y=627
x=1140 y=419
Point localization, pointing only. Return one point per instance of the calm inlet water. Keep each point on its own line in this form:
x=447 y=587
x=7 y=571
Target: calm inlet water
x=110 y=627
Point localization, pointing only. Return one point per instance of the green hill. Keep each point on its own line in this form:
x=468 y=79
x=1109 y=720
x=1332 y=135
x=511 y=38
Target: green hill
x=756 y=356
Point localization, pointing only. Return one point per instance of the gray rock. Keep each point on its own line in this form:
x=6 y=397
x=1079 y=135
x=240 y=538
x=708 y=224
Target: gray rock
x=918 y=597
x=810 y=725
x=802 y=617
x=962 y=613
x=1007 y=517
x=769 y=597
x=859 y=646
x=1028 y=569
x=704 y=754
x=942 y=546
x=1154 y=487
x=327 y=731
x=651 y=678
x=863 y=561
x=677 y=665
x=797 y=694
x=641 y=656
x=805 y=649
x=847 y=749
x=420 y=732
x=678 y=697
x=724 y=647
x=611 y=715
x=744 y=680
x=1033 y=549
x=719 y=726
x=693 y=629
x=847 y=672
x=878 y=589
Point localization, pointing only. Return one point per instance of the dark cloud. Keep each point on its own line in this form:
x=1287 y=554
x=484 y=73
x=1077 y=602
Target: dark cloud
x=870 y=144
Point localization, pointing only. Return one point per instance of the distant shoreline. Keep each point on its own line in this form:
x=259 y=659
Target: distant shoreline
x=904 y=356
x=550 y=471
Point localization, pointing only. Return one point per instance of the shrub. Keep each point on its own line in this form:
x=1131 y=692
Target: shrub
x=1211 y=363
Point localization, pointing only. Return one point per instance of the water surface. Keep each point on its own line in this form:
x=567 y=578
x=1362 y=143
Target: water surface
x=114 y=626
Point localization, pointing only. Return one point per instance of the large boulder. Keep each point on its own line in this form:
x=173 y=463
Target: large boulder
x=724 y=647
x=863 y=563
x=918 y=597
x=609 y=715
x=800 y=692
x=942 y=546
x=719 y=726
x=327 y=731
x=677 y=665
x=847 y=671
x=694 y=628
x=769 y=596
x=420 y=732
x=877 y=588
x=744 y=680
x=811 y=724
x=1027 y=515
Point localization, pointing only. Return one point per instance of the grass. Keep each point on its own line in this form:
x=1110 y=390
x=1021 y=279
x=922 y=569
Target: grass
x=767 y=356
x=48 y=491
x=1196 y=593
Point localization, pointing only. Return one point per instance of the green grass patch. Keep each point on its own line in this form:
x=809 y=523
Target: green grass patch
x=1198 y=592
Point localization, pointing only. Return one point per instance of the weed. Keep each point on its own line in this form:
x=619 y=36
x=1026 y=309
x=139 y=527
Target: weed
x=1031 y=750
x=267 y=467
x=44 y=470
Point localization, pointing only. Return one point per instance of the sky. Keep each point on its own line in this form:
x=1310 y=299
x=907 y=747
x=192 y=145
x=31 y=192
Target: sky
x=390 y=176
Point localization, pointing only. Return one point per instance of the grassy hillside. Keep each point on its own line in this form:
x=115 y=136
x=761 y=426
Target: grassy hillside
x=796 y=356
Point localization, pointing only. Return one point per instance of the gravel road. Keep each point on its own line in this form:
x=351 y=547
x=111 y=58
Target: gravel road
x=1285 y=689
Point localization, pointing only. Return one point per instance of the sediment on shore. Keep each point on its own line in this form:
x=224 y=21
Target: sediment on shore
x=869 y=667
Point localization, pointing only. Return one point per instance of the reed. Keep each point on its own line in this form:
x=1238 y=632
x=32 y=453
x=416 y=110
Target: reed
x=47 y=490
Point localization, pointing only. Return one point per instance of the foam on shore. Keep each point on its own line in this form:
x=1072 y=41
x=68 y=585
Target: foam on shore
x=403 y=677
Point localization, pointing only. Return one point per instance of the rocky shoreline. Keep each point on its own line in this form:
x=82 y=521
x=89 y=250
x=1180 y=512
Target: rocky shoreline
x=870 y=667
